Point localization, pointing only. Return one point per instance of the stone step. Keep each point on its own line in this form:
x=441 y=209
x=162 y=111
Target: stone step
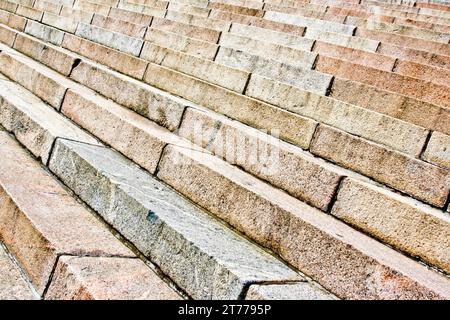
x=42 y=225
x=14 y=285
x=364 y=123
x=191 y=250
x=285 y=225
x=117 y=25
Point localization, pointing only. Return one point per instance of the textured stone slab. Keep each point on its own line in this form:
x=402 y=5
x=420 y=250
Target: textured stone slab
x=120 y=26
x=258 y=22
x=13 y=285
x=388 y=81
x=341 y=259
x=198 y=11
x=76 y=14
x=402 y=222
x=34 y=78
x=405 y=41
x=111 y=39
x=362 y=122
x=267 y=35
x=46 y=54
x=254 y=113
x=119 y=61
x=425 y=72
x=188 y=30
x=147 y=101
x=8 y=6
x=300 y=77
x=155 y=12
x=44 y=32
x=369 y=59
x=310 y=22
x=62 y=23
x=47 y=6
x=181 y=43
x=98 y=278
x=297 y=291
x=134 y=136
x=207 y=70
x=7 y=35
x=209 y=23
x=197 y=252
x=417 y=178
x=12 y=20
x=91 y=7
x=40 y=220
x=35 y=124
x=288 y=55
x=438 y=150
x=236 y=9
x=130 y=16
x=359 y=43
x=409 y=31
x=30 y=13
x=284 y=166
x=395 y=105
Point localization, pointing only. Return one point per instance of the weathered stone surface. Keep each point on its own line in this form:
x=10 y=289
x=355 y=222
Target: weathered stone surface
x=76 y=14
x=134 y=136
x=254 y=113
x=120 y=26
x=29 y=196
x=395 y=105
x=408 y=31
x=13 y=285
x=44 y=32
x=33 y=77
x=181 y=43
x=365 y=123
x=111 y=39
x=188 y=30
x=46 y=54
x=30 y=13
x=130 y=16
x=425 y=72
x=62 y=23
x=288 y=55
x=98 y=278
x=402 y=222
x=149 y=102
x=207 y=70
x=236 y=9
x=35 y=124
x=47 y=6
x=388 y=81
x=200 y=254
x=258 y=22
x=284 y=166
x=209 y=23
x=301 y=77
x=341 y=259
x=7 y=35
x=8 y=6
x=310 y=22
x=91 y=7
x=198 y=11
x=156 y=12
x=281 y=38
x=119 y=61
x=359 y=43
x=404 y=41
x=369 y=59
x=12 y=20
x=297 y=291
x=438 y=150
x=412 y=176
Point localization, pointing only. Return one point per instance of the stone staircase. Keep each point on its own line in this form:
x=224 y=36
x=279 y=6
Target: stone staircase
x=224 y=149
